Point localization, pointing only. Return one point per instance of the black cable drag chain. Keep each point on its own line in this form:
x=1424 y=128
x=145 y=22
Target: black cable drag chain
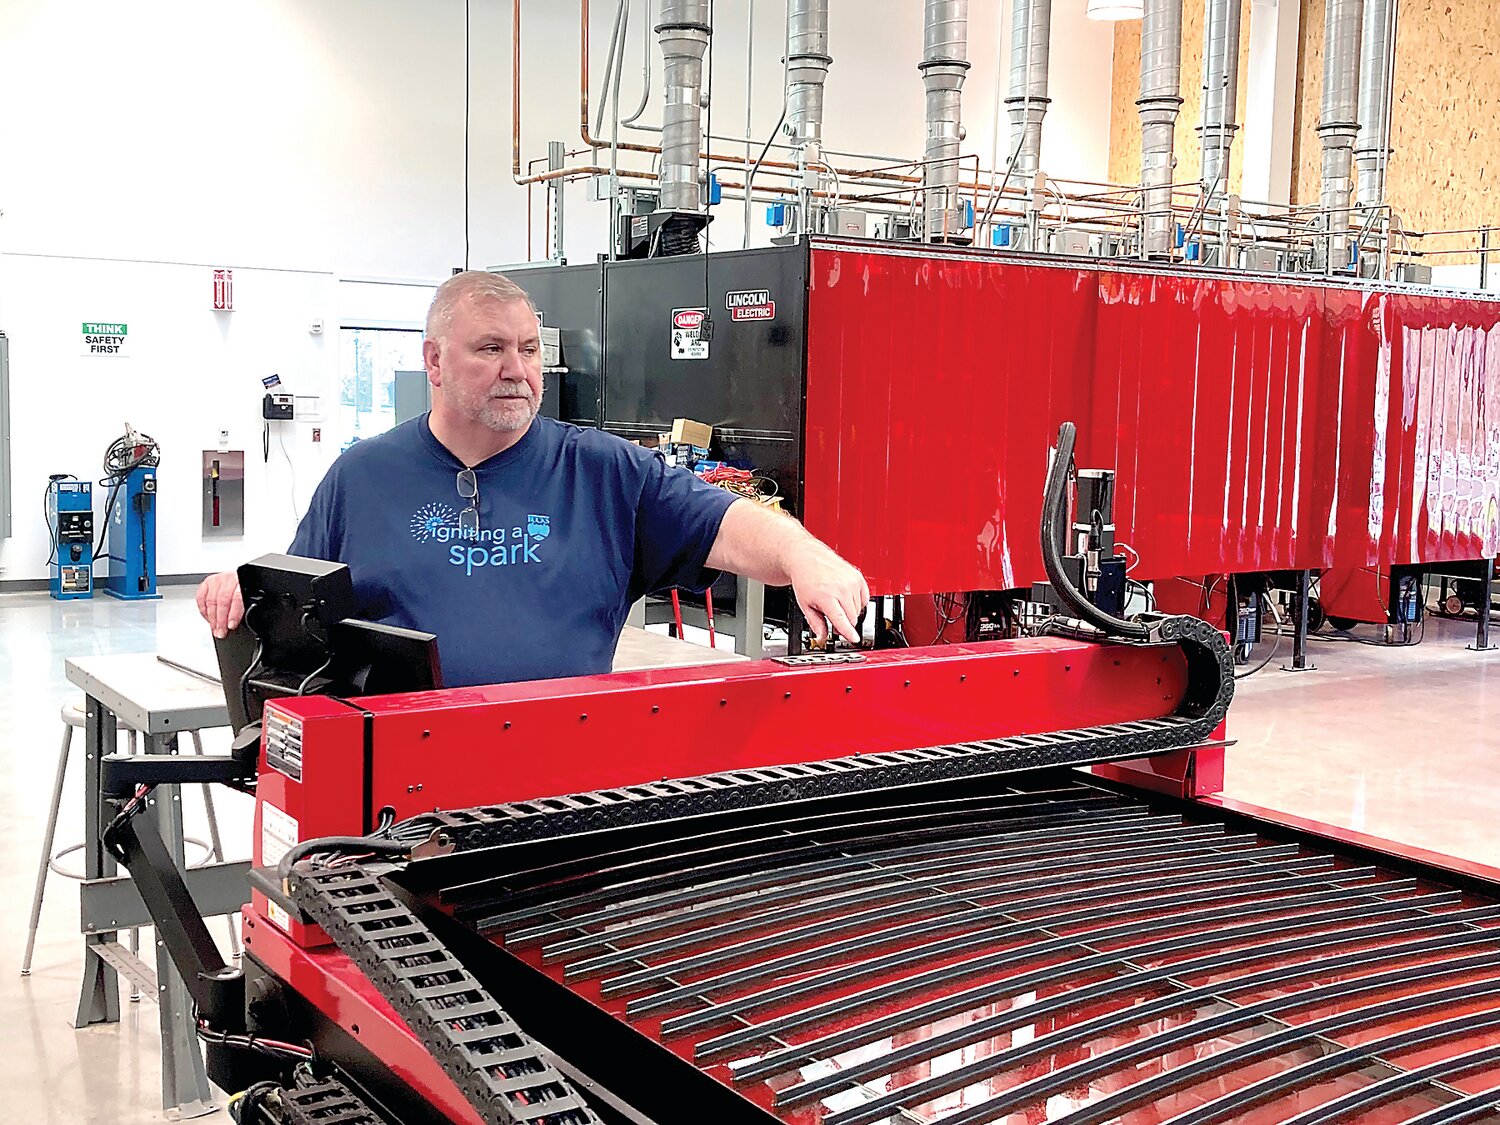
x=499 y=1068
x=326 y=1101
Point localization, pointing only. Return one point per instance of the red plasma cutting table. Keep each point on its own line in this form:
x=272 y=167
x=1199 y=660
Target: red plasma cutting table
x=831 y=890
x=845 y=892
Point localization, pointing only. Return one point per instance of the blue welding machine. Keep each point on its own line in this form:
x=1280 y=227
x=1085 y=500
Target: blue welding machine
x=130 y=473
x=70 y=520
x=132 y=537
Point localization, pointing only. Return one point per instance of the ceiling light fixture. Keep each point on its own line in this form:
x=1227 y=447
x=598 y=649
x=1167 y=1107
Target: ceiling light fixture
x=1114 y=10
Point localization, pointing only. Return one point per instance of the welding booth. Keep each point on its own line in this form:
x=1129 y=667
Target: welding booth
x=902 y=398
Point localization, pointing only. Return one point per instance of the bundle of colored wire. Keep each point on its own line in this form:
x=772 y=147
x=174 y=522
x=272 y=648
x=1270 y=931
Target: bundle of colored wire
x=131 y=451
x=278 y=1048
x=741 y=482
x=722 y=474
x=738 y=481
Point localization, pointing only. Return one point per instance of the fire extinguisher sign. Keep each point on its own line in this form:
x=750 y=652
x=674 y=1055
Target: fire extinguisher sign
x=223 y=290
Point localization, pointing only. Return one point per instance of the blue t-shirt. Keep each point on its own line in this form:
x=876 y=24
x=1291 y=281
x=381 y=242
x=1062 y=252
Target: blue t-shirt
x=574 y=526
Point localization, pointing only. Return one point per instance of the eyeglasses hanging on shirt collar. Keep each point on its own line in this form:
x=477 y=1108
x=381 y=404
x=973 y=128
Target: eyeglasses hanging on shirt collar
x=468 y=489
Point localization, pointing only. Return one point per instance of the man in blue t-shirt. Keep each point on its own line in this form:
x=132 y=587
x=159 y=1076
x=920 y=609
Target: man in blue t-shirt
x=521 y=541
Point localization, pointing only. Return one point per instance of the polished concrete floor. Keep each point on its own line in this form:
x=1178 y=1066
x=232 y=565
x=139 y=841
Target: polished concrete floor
x=1399 y=743
x=108 y=1073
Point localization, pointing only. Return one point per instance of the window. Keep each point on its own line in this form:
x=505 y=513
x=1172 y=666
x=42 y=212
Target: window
x=368 y=361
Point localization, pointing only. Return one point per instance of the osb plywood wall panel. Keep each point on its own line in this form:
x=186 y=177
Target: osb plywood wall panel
x=1125 y=89
x=1307 y=154
x=1443 y=130
x=1125 y=124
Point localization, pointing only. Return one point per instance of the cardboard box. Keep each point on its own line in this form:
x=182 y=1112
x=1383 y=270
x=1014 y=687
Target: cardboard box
x=685 y=431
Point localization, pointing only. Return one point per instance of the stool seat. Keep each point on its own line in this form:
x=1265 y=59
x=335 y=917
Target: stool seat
x=73 y=712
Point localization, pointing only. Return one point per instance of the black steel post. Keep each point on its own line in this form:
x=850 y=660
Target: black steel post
x=1299 y=626
x=1486 y=588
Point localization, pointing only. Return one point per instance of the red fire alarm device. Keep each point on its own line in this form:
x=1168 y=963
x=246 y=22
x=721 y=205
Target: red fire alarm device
x=223 y=290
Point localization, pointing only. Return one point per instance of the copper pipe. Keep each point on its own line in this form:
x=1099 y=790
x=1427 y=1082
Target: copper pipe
x=583 y=88
x=515 y=91
x=582 y=170
x=735 y=185
x=515 y=112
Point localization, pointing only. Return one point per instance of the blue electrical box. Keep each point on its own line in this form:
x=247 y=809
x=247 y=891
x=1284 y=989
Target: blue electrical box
x=715 y=192
x=70 y=519
x=775 y=214
x=132 y=537
x=1000 y=236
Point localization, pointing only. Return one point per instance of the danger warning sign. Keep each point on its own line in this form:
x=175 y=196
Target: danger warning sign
x=688 y=337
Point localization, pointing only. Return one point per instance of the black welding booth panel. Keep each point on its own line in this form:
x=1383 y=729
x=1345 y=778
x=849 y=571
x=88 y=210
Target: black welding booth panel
x=617 y=324
x=571 y=298
x=750 y=386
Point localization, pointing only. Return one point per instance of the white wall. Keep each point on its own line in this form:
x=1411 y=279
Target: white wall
x=317 y=148
x=1467 y=277
x=188 y=372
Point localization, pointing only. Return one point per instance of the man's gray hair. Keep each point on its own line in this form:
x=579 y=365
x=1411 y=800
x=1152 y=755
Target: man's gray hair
x=469 y=284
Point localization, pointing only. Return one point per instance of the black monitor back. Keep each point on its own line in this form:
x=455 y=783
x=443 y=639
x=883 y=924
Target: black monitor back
x=374 y=659
x=299 y=638
x=292 y=604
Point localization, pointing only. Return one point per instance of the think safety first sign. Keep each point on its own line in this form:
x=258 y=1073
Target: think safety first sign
x=104 y=337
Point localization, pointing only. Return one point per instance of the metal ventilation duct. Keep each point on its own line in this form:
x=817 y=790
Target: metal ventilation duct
x=1339 y=124
x=1030 y=36
x=1377 y=60
x=1221 y=77
x=807 y=64
x=945 y=44
x=683 y=35
x=1161 y=97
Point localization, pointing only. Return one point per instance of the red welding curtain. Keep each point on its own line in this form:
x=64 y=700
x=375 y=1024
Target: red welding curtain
x=1255 y=425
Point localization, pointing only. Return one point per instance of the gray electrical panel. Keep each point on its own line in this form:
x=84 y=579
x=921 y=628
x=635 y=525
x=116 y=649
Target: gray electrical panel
x=413 y=394
x=5 y=490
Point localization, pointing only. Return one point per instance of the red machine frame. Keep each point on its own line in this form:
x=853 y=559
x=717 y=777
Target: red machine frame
x=527 y=742
x=532 y=742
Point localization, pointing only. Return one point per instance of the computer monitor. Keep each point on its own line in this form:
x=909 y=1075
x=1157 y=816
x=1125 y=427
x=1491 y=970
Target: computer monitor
x=299 y=637
x=374 y=659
